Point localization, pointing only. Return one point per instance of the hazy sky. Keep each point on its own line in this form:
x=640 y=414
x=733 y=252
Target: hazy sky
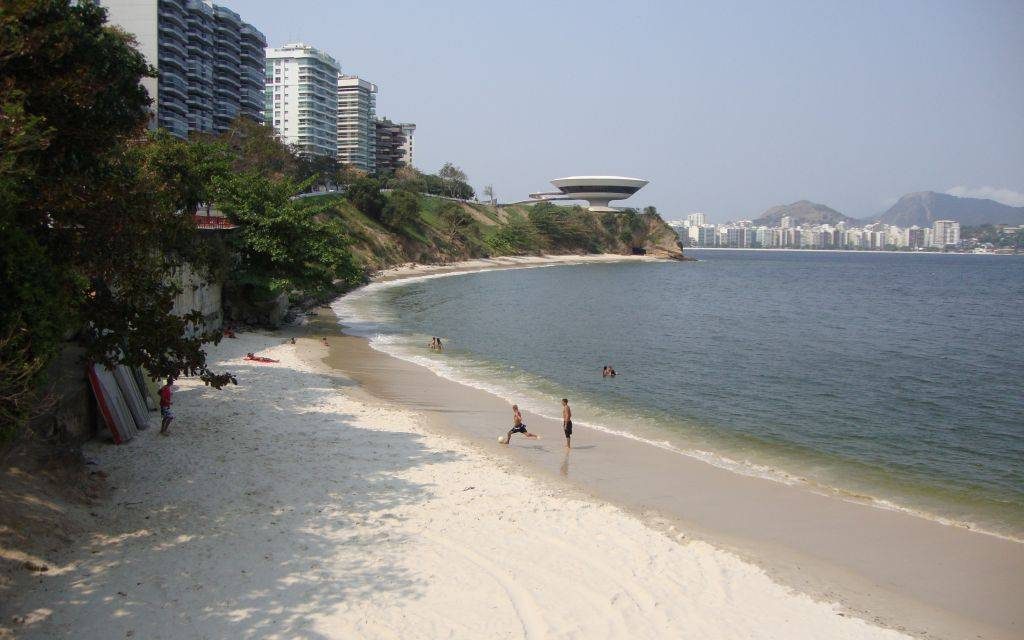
x=727 y=108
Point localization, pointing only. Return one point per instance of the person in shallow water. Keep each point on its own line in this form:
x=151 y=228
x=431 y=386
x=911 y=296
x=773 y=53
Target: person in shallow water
x=518 y=426
x=567 y=422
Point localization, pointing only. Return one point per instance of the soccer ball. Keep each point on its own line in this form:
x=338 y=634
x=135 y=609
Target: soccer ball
x=502 y=439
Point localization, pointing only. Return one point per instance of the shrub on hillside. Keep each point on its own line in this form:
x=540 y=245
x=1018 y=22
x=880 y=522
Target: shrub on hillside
x=456 y=220
x=402 y=208
x=365 y=195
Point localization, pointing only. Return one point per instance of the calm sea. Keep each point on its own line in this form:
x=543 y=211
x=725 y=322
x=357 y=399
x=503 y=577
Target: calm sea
x=891 y=378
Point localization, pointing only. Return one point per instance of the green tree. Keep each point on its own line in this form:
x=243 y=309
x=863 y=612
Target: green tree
x=403 y=208
x=254 y=147
x=282 y=243
x=409 y=179
x=184 y=171
x=321 y=171
x=456 y=220
x=451 y=176
x=88 y=235
x=365 y=195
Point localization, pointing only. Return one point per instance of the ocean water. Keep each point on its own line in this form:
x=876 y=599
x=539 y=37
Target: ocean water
x=893 y=379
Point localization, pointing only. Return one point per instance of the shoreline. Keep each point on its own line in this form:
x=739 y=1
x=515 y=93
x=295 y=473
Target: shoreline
x=416 y=272
x=869 y=586
x=295 y=505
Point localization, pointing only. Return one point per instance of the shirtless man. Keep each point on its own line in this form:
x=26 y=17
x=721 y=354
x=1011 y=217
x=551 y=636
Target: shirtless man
x=567 y=422
x=517 y=425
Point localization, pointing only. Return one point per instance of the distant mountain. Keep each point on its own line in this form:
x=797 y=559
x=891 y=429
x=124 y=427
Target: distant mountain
x=803 y=212
x=925 y=207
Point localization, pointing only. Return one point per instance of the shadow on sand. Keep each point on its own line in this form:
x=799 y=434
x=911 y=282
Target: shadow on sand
x=263 y=512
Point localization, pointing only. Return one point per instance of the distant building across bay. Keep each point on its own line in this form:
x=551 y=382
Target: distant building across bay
x=943 y=234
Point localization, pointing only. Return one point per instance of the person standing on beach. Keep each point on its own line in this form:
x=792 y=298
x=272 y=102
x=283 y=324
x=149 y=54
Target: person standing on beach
x=166 y=415
x=567 y=422
x=517 y=426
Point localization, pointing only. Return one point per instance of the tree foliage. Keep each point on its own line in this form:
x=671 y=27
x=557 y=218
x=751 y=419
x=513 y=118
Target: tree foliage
x=403 y=208
x=282 y=243
x=365 y=195
x=89 y=235
x=254 y=148
x=457 y=221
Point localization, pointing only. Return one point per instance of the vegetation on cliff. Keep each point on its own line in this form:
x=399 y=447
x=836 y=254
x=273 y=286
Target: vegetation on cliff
x=442 y=230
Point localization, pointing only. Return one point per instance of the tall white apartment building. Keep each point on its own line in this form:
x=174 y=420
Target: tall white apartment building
x=357 y=131
x=408 y=129
x=302 y=98
x=696 y=219
x=945 y=233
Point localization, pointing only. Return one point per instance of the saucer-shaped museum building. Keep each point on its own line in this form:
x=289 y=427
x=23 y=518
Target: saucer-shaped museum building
x=598 y=191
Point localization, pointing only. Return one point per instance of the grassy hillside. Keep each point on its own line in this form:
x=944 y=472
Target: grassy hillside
x=447 y=231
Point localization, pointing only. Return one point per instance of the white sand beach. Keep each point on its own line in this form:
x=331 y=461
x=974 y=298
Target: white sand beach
x=294 y=506
x=415 y=270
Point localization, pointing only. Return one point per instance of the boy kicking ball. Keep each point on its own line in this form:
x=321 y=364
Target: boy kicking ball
x=517 y=427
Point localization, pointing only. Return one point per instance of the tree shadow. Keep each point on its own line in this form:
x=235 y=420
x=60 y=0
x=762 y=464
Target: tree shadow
x=263 y=513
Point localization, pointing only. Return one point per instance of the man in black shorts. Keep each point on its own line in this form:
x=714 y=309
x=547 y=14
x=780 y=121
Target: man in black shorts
x=517 y=425
x=567 y=422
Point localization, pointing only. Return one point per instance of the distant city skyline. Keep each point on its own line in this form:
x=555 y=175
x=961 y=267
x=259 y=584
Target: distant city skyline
x=728 y=109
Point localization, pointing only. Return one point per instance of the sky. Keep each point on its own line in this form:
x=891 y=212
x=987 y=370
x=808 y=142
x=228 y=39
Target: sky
x=727 y=108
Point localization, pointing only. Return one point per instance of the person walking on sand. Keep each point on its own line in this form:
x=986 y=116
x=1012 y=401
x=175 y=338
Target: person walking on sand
x=518 y=426
x=567 y=422
x=166 y=415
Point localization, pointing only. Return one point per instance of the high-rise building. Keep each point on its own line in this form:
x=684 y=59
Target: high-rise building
x=302 y=98
x=394 y=146
x=786 y=222
x=210 y=62
x=357 y=130
x=200 y=65
x=696 y=220
x=408 y=129
x=915 y=237
x=945 y=233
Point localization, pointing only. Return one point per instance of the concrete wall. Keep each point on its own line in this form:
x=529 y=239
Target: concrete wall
x=198 y=294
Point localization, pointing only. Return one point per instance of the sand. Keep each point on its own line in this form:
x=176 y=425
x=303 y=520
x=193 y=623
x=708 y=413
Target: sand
x=412 y=269
x=294 y=505
x=891 y=567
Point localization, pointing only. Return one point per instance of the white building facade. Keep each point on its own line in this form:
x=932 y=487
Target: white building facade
x=302 y=98
x=408 y=129
x=357 y=132
x=945 y=233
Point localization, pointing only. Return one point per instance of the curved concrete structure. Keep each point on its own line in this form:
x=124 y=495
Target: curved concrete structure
x=598 y=191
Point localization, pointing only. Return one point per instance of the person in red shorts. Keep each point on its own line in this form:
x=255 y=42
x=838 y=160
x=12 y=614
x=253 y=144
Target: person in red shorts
x=166 y=415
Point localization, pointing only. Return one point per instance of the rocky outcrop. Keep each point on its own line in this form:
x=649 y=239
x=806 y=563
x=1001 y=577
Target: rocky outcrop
x=803 y=212
x=925 y=207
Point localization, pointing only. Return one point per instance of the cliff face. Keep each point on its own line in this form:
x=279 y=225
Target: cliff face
x=491 y=231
